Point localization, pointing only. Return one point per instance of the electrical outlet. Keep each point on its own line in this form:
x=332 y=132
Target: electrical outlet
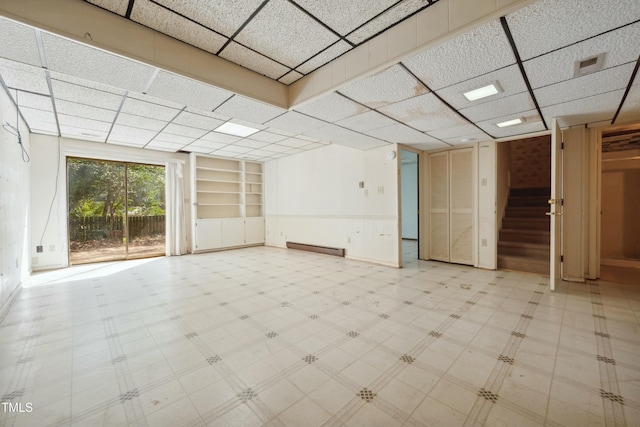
x=39 y=248
x=484 y=242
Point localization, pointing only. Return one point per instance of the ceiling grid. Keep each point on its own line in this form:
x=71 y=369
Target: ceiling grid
x=529 y=56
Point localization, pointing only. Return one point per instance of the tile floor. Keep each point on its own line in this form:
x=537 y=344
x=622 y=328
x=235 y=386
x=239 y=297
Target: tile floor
x=275 y=337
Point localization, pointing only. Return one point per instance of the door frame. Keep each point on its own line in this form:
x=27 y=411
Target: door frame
x=419 y=164
x=595 y=191
x=125 y=225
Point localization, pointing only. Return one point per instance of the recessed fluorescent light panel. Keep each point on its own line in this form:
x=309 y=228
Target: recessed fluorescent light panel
x=511 y=122
x=483 y=92
x=235 y=129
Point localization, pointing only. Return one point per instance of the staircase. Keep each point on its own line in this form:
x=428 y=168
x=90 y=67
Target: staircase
x=523 y=244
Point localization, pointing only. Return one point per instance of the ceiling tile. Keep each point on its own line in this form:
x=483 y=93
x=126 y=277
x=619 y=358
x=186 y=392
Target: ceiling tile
x=401 y=134
x=621 y=47
x=251 y=143
x=387 y=19
x=82 y=123
x=247 y=109
x=280 y=24
x=424 y=112
x=295 y=122
x=366 y=121
x=164 y=146
x=344 y=16
x=471 y=54
x=116 y=6
x=84 y=95
x=225 y=153
x=195 y=149
x=208 y=145
x=332 y=107
x=83 y=133
x=220 y=137
x=44 y=121
x=233 y=148
x=532 y=123
x=186 y=91
x=225 y=16
x=252 y=60
x=96 y=65
x=24 y=77
x=290 y=77
x=294 y=142
x=148 y=109
x=264 y=136
x=164 y=137
x=261 y=153
x=325 y=56
x=509 y=78
x=591 y=84
x=346 y=137
x=458 y=133
x=546 y=25
x=587 y=110
x=19 y=43
x=160 y=19
x=140 y=122
x=500 y=107
x=391 y=85
x=186 y=131
x=197 y=121
x=275 y=148
x=32 y=100
x=468 y=138
x=132 y=135
x=87 y=111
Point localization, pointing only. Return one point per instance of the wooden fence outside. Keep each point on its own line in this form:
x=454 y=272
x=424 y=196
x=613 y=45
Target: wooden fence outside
x=98 y=228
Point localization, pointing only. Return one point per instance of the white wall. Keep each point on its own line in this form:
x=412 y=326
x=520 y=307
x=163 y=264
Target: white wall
x=49 y=168
x=409 y=184
x=314 y=198
x=14 y=205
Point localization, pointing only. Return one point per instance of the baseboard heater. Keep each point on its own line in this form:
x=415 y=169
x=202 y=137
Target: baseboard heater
x=315 y=248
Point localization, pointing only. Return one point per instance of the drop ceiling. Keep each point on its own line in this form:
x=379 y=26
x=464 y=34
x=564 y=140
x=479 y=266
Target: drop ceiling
x=70 y=89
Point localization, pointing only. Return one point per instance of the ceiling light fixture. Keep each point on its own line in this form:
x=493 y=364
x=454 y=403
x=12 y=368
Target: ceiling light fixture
x=511 y=122
x=483 y=92
x=235 y=129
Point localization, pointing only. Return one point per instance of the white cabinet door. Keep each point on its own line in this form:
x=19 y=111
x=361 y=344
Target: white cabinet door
x=555 y=208
x=254 y=231
x=208 y=234
x=232 y=232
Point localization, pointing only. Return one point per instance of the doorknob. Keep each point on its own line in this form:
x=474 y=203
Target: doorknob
x=553 y=213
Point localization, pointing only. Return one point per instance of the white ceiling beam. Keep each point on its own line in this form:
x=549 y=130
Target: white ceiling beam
x=85 y=23
x=433 y=25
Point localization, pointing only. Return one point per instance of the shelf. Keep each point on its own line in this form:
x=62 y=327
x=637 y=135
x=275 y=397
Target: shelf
x=205 y=168
x=218 y=180
x=218 y=192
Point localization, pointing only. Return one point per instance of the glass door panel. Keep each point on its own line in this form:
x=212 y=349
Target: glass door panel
x=96 y=210
x=146 y=210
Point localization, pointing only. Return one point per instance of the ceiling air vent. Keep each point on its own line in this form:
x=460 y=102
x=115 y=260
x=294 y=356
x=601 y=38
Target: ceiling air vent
x=588 y=65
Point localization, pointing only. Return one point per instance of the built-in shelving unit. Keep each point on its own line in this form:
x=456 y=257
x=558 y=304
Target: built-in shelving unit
x=227 y=203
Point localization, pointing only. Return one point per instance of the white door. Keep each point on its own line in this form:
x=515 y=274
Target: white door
x=439 y=206
x=555 y=206
x=461 y=202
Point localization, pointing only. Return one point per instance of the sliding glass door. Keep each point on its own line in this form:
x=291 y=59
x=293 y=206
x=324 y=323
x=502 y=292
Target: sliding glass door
x=116 y=210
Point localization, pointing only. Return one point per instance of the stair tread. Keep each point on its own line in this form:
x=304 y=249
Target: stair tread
x=523 y=244
x=527 y=232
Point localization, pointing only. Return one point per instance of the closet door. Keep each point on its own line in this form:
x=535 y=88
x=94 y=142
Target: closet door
x=461 y=213
x=439 y=206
